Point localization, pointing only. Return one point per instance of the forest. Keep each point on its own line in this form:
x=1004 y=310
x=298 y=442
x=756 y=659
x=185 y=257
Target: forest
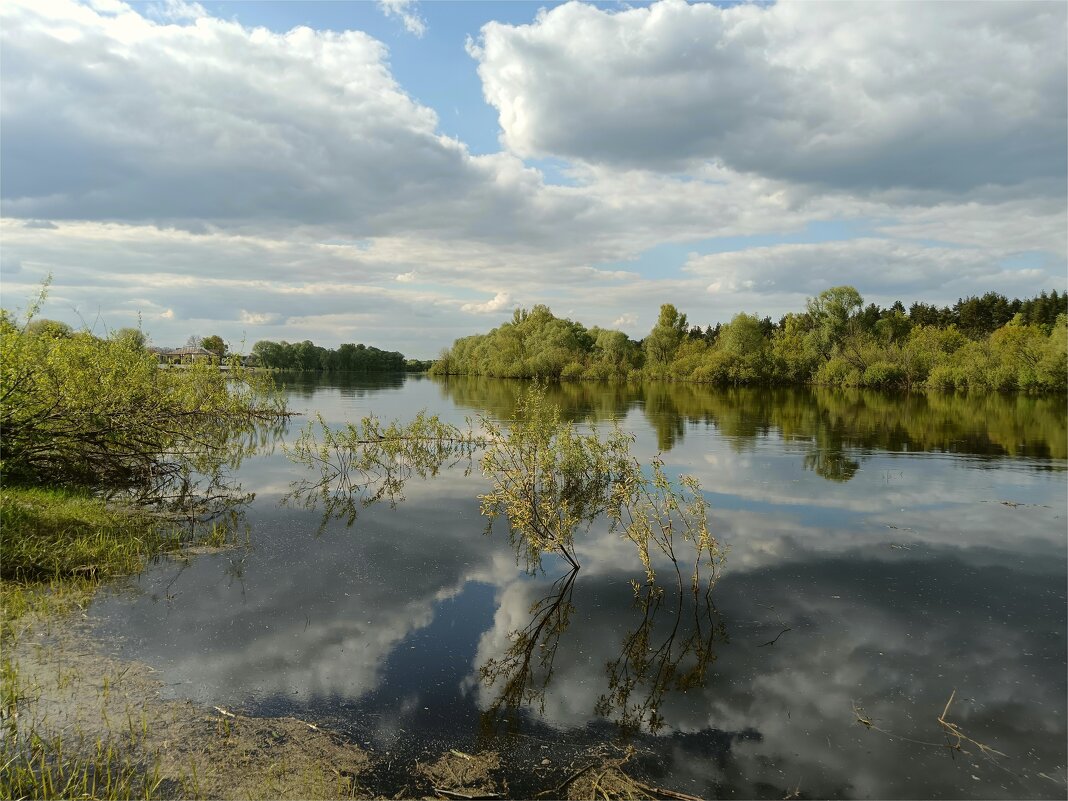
x=345 y=359
x=980 y=343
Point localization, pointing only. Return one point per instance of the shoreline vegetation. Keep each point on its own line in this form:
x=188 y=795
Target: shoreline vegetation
x=987 y=343
x=306 y=356
x=108 y=458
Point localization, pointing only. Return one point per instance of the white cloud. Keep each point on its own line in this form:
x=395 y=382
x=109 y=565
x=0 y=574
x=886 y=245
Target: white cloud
x=625 y=320
x=406 y=10
x=499 y=302
x=212 y=122
x=920 y=96
x=208 y=168
x=882 y=268
x=259 y=318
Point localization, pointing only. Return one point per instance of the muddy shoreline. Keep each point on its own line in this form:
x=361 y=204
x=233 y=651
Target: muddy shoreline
x=67 y=689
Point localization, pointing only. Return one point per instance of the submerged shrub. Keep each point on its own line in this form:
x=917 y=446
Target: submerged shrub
x=547 y=480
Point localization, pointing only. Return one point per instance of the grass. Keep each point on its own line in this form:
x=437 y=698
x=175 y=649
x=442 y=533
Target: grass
x=58 y=545
x=49 y=767
x=48 y=534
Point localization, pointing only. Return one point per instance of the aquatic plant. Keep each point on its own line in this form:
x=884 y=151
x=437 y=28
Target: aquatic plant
x=547 y=480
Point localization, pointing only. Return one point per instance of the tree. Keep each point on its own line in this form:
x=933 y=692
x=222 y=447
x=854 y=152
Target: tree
x=215 y=344
x=743 y=337
x=133 y=338
x=84 y=411
x=831 y=312
x=49 y=328
x=664 y=339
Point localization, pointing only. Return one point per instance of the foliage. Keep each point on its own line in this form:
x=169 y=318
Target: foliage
x=215 y=344
x=836 y=340
x=547 y=481
x=536 y=344
x=311 y=357
x=43 y=327
x=666 y=336
x=101 y=413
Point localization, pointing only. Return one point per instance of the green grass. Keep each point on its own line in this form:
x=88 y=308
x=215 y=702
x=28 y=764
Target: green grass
x=56 y=547
x=48 y=534
x=49 y=767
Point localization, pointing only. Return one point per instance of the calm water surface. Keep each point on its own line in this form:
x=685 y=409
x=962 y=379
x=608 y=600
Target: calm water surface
x=883 y=552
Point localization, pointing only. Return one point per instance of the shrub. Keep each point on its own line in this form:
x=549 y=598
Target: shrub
x=84 y=411
x=884 y=374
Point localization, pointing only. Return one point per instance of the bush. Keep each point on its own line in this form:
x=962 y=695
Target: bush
x=573 y=370
x=944 y=378
x=84 y=411
x=884 y=374
x=715 y=369
x=838 y=372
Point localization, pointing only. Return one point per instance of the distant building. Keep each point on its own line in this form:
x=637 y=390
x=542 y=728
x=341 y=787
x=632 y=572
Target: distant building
x=183 y=355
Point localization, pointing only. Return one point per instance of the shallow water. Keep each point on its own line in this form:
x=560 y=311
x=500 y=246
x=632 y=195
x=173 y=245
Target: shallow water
x=884 y=551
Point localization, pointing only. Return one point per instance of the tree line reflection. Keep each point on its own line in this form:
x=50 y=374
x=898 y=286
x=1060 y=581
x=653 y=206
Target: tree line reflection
x=838 y=425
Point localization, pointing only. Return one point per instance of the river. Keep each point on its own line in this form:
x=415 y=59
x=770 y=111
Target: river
x=882 y=553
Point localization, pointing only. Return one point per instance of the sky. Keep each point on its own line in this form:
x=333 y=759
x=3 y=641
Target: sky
x=404 y=173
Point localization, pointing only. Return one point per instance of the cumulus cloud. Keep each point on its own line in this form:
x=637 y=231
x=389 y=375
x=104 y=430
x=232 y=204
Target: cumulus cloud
x=406 y=10
x=882 y=267
x=943 y=97
x=259 y=318
x=161 y=155
x=499 y=302
x=127 y=119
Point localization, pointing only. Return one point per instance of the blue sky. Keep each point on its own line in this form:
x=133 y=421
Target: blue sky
x=403 y=173
x=435 y=69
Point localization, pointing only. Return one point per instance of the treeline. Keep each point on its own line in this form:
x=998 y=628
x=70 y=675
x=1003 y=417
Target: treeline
x=347 y=358
x=980 y=343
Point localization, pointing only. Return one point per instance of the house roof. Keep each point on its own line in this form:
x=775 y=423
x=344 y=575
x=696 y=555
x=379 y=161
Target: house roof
x=191 y=352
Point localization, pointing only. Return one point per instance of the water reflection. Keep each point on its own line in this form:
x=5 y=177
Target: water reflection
x=887 y=591
x=832 y=421
x=668 y=648
x=656 y=660
x=306 y=385
x=519 y=677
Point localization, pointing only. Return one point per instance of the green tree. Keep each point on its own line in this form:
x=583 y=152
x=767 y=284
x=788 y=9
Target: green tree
x=215 y=344
x=664 y=339
x=831 y=312
x=133 y=338
x=48 y=328
x=93 y=412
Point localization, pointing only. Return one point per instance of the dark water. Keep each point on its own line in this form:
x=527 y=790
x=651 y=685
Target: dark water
x=883 y=552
